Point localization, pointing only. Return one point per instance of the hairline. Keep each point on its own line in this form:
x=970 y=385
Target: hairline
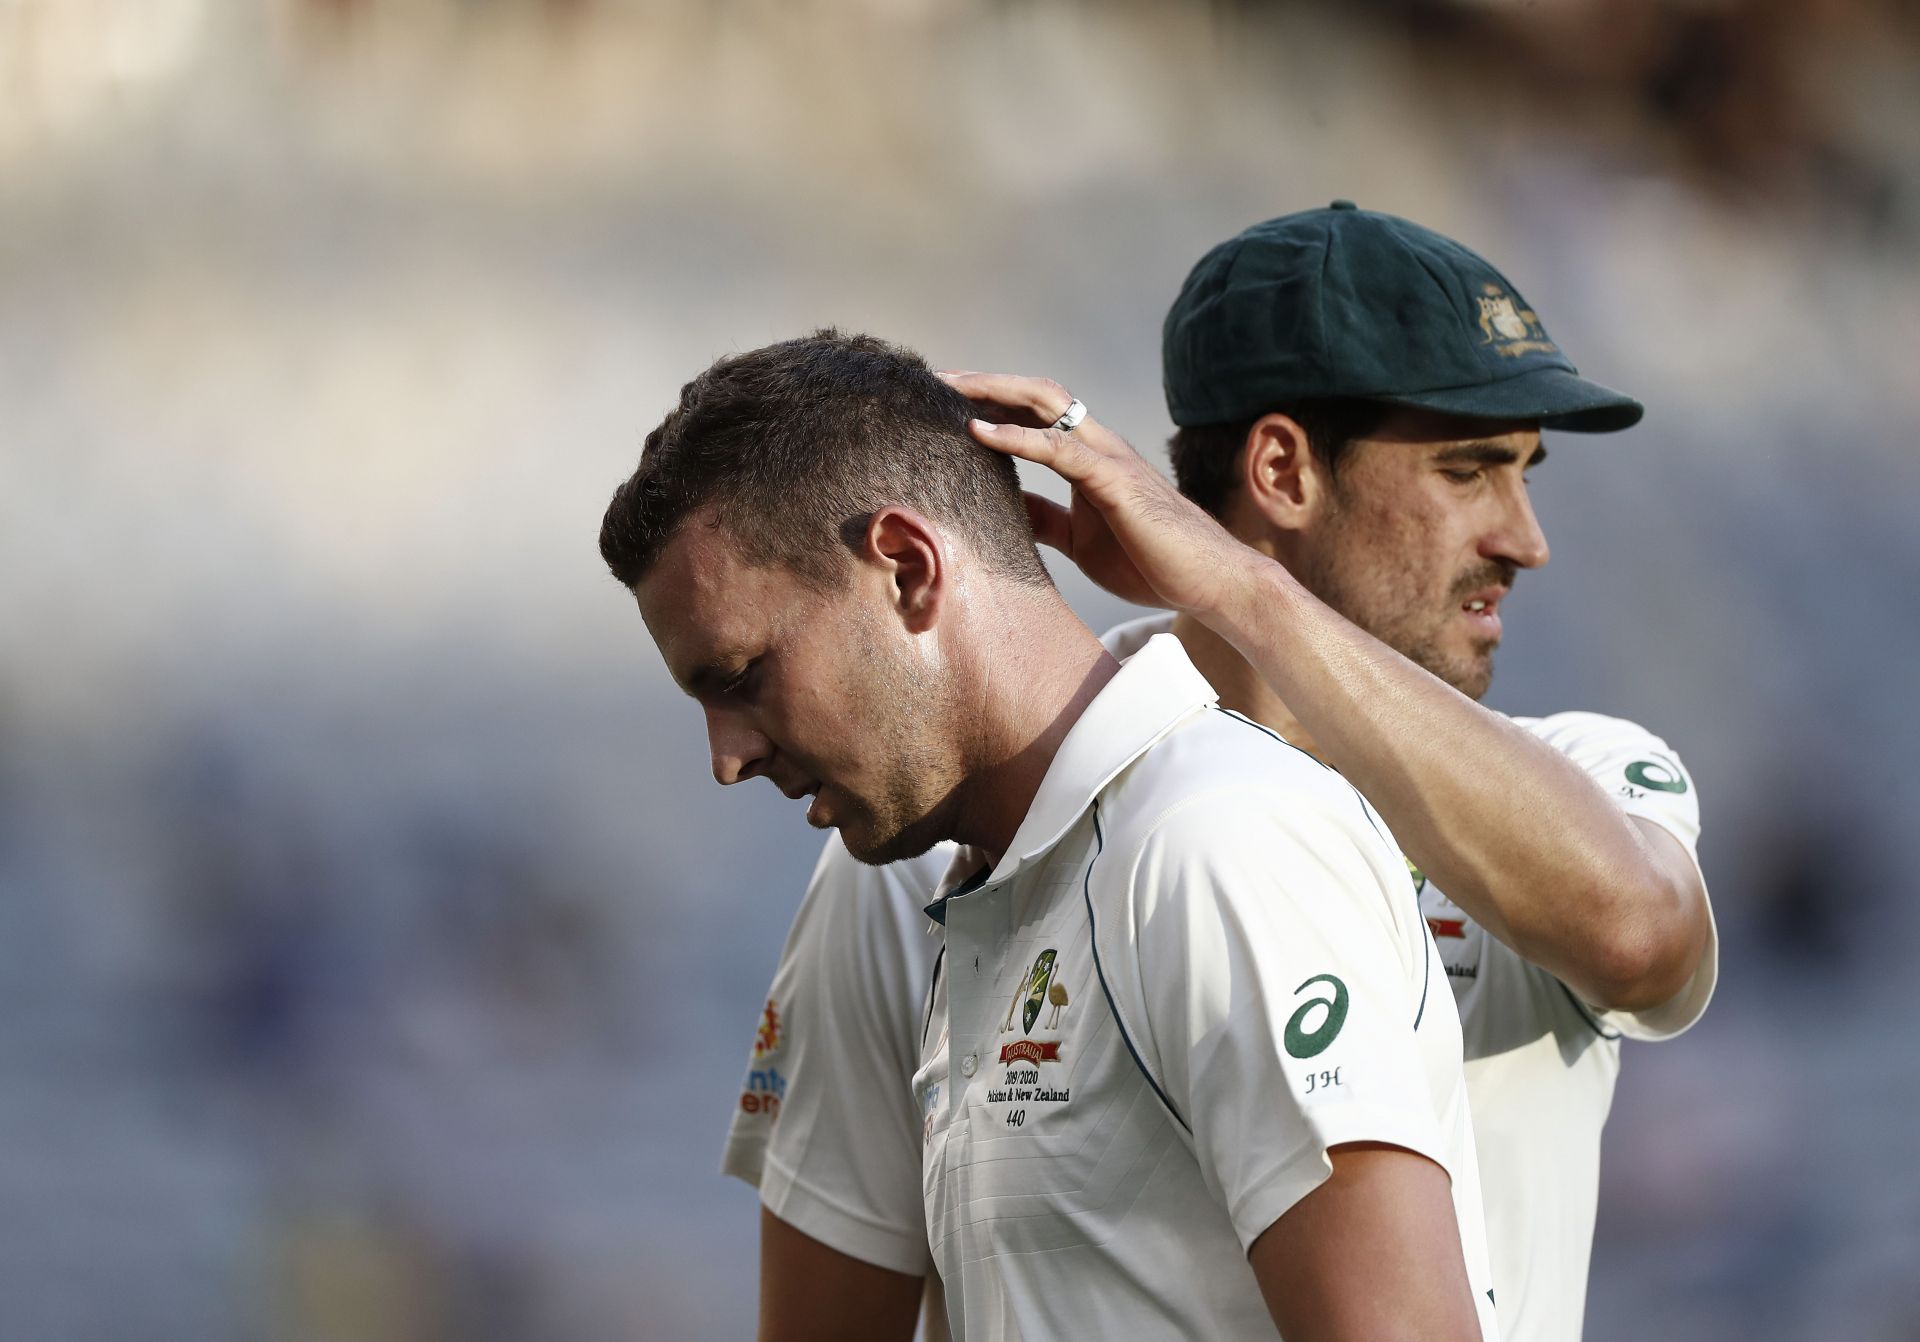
x=842 y=558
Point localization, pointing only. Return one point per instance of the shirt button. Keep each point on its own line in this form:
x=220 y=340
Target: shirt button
x=969 y=1064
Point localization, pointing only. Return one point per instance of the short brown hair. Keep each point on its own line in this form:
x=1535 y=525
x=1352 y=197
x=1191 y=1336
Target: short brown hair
x=796 y=445
x=1206 y=457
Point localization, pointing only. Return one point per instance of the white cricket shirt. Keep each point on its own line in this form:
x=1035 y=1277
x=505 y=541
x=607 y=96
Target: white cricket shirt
x=825 y=1127
x=1541 y=1065
x=1540 y=1077
x=1199 y=966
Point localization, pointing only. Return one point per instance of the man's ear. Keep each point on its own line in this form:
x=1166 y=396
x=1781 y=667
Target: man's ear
x=913 y=556
x=1281 y=480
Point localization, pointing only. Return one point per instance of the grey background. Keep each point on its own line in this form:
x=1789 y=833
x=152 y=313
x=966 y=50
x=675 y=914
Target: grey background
x=377 y=960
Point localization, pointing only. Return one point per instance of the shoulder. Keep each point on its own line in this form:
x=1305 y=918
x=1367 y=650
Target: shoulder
x=1224 y=795
x=1643 y=775
x=853 y=912
x=839 y=872
x=1229 y=760
x=1579 y=733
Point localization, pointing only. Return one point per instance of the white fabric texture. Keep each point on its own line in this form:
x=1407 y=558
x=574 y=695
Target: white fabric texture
x=1541 y=1065
x=1540 y=1068
x=838 y=1157
x=1199 y=966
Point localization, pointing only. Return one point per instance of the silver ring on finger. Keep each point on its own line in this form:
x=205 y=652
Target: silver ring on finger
x=1070 y=417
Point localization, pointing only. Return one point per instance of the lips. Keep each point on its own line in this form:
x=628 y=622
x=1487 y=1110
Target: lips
x=1487 y=597
x=1482 y=609
x=797 y=789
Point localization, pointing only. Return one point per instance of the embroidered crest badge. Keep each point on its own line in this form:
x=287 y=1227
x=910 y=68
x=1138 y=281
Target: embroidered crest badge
x=1033 y=989
x=1510 y=329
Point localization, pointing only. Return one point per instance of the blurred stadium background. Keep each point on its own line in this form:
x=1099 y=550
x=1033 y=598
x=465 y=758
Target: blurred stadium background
x=376 y=961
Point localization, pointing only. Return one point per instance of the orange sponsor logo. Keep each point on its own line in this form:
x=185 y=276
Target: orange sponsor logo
x=767 y=1038
x=1027 y=1050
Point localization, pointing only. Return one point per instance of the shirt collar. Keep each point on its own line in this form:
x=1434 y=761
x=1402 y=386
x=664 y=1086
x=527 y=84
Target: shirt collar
x=965 y=874
x=1152 y=692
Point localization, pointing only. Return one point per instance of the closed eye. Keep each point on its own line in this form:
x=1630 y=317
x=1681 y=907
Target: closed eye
x=737 y=683
x=713 y=681
x=1463 y=463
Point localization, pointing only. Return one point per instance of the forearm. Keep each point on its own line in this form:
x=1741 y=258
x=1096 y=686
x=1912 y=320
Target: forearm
x=1372 y=1254
x=811 y=1293
x=1514 y=832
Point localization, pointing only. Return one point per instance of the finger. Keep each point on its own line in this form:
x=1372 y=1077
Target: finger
x=1037 y=401
x=1052 y=524
x=995 y=413
x=1043 y=447
x=1089 y=457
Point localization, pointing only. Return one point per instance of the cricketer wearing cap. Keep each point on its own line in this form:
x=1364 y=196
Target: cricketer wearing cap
x=1189 y=1069
x=1359 y=398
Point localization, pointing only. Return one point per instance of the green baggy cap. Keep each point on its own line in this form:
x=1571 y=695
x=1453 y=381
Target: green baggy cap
x=1345 y=302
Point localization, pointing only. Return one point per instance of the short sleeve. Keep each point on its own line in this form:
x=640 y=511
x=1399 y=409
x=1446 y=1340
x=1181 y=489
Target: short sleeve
x=1283 y=978
x=1645 y=778
x=825 y=1126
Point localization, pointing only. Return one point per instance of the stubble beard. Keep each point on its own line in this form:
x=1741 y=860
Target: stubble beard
x=907 y=841
x=1348 y=576
x=910 y=810
x=1471 y=674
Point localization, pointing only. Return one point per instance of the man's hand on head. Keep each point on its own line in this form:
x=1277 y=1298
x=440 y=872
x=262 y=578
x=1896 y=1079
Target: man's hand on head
x=1127 y=528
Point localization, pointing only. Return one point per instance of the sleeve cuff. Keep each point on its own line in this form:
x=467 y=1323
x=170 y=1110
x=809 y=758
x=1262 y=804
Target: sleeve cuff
x=1272 y=1197
x=1677 y=1014
x=818 y=1216
x=745 y=1158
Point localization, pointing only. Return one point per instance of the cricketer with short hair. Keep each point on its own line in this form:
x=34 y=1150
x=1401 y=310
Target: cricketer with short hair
x=1189 y=1045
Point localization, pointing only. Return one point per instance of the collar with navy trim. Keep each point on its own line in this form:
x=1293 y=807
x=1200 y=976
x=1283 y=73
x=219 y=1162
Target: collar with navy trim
x=1153 y=692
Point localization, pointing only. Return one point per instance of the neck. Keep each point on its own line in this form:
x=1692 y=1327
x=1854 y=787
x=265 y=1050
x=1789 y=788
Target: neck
x=1037 y=677
x=1240 y=686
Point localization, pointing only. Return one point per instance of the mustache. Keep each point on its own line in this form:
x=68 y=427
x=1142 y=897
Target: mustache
x=1495 y=574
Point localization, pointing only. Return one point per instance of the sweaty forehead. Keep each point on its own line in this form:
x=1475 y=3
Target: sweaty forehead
x=706 y=606
x=692 y=591
x=700 y=554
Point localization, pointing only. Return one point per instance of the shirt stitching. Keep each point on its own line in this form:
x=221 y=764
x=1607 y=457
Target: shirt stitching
x=1426 y=959
x=933 y=984
x=1099 y=970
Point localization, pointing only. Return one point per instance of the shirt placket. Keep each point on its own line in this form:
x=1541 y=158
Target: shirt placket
x=976 y=986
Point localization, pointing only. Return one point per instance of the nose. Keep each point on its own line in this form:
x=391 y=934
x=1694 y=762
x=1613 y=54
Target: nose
x=1517 y=538
x=738 y=749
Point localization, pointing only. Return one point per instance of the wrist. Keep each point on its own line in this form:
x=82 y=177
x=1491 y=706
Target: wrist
x=1247 y=597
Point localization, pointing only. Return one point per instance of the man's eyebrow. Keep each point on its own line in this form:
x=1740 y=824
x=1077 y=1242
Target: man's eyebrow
x=1487 y=453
